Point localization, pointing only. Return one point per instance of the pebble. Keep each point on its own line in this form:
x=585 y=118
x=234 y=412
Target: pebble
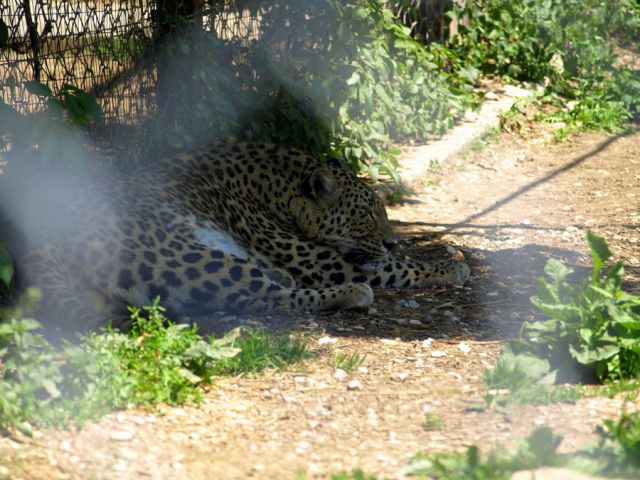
x=122 y=435
x=427 y=343
x=400 y=321
x=340 y=374
x=372 y=311
x=464 y=348
x=138 y=420
x=408 y=303
x=414 y=321
x=353 y=385
x=451 y=250
x=438 y=354
x=400 y=376
x=327 y=340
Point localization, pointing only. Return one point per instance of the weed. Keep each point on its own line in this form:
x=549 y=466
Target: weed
x=537 y=450
x=629 y=387
x=157 y=361
x=348 y=362
x=356 y=474
x=616 y=454
x=486 y=138
x=547 y=42
x=512 y=381
x=428 y=182
x=511 y=120
x=432 y=422
x=260 y=350
x=435 y=165
x=592 y=332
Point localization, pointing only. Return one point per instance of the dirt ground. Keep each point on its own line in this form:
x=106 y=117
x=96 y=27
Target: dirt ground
x=508 y=207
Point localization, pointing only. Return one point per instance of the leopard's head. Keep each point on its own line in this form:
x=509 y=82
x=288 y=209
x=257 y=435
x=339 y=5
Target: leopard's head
x=335 y=207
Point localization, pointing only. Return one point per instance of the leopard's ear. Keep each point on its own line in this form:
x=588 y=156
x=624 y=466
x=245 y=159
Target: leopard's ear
x=321 y=186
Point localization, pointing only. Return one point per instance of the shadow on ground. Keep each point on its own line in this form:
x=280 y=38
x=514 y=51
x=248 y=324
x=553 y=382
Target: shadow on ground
x=491 y=307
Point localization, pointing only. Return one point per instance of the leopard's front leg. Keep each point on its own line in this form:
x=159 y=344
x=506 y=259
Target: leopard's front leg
x=412 y=274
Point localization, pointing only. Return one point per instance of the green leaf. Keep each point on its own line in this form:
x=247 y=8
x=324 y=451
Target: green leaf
x=7 y=270
x=353 y=79
x=4 y=33
x=599 y=252
x=36 y=88
x=89 y=104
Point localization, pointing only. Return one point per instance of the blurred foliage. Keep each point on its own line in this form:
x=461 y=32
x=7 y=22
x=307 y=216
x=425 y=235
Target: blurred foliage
x=337 y=79
x=566 y=45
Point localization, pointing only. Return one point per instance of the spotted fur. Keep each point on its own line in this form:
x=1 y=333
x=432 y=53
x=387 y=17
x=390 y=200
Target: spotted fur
x=229 y=227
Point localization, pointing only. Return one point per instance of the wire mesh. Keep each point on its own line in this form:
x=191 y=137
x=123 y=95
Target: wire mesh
x=110 y=49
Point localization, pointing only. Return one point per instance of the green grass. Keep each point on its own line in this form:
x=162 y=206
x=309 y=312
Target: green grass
x=486 y=138
x=348 y=361
x=261 y=350
x=157 y=361
x=432 y=422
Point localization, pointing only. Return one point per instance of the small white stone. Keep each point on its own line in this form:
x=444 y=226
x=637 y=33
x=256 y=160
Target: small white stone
x=438 y=354
x=138 y=420
x=400 y=376
x=414 y=321
x=451 y=250
x=299 y=379
x=327 y=340
x=427 y=343
x=340 y=374
x=353 y=385
x=122 y=435
x=464 y=348
x=372 y=311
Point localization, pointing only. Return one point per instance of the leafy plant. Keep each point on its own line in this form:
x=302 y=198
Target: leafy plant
x=432 y=422
x=617 y=453
x=156 y=362
x=570 y=53
x=537 y=450
x=337 y=79
x=592 y=332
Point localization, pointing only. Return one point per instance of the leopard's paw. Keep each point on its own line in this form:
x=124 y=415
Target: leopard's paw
x=358 y=295
x=461 y=273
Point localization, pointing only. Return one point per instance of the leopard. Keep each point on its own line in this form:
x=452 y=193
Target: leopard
x=231 y=227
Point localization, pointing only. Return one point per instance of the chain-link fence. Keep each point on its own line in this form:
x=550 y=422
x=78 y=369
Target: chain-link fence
x=110 y=48
x=104 y=47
